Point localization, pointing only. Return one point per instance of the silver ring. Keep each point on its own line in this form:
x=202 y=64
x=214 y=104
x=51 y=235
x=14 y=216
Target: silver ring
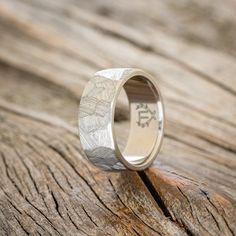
x=96 y=119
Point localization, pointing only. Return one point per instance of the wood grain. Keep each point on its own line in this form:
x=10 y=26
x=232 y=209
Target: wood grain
x=49 y=50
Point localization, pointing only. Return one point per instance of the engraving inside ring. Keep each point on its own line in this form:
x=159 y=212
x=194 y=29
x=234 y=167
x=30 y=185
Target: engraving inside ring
x=144 y=120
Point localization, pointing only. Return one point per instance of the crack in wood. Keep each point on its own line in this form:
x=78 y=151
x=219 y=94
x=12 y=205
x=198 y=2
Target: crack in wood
x=138 y=217
x=160 y=202
x=89 y=216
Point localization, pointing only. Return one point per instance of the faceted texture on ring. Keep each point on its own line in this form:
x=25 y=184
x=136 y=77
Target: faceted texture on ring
x=96 y=118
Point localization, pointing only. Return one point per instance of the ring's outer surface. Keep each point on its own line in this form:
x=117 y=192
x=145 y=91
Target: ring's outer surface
x=96 y=119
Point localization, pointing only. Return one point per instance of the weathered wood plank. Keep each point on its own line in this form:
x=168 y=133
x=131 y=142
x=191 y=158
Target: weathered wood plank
x=210 y=23
x=204 y=103
x=211 y=211
x=47 y=187
x=207 y=111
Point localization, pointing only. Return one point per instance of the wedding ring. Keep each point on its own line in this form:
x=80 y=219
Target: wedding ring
x=96 y=119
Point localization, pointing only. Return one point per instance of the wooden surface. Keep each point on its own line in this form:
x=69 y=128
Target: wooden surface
x=49 y=49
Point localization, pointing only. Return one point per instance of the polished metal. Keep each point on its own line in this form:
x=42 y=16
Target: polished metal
x=96 y=119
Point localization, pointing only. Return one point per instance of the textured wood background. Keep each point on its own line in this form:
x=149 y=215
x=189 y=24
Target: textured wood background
x=49 y=49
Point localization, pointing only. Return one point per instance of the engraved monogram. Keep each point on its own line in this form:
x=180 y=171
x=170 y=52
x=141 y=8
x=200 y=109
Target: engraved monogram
x=145 y=115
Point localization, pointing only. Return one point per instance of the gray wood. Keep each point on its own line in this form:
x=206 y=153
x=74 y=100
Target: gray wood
x=48 y=51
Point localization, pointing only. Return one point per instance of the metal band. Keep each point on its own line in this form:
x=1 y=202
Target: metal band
x=96 y=119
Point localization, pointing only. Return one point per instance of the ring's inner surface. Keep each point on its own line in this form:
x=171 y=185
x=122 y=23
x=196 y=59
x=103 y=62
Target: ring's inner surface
x=144 y=116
